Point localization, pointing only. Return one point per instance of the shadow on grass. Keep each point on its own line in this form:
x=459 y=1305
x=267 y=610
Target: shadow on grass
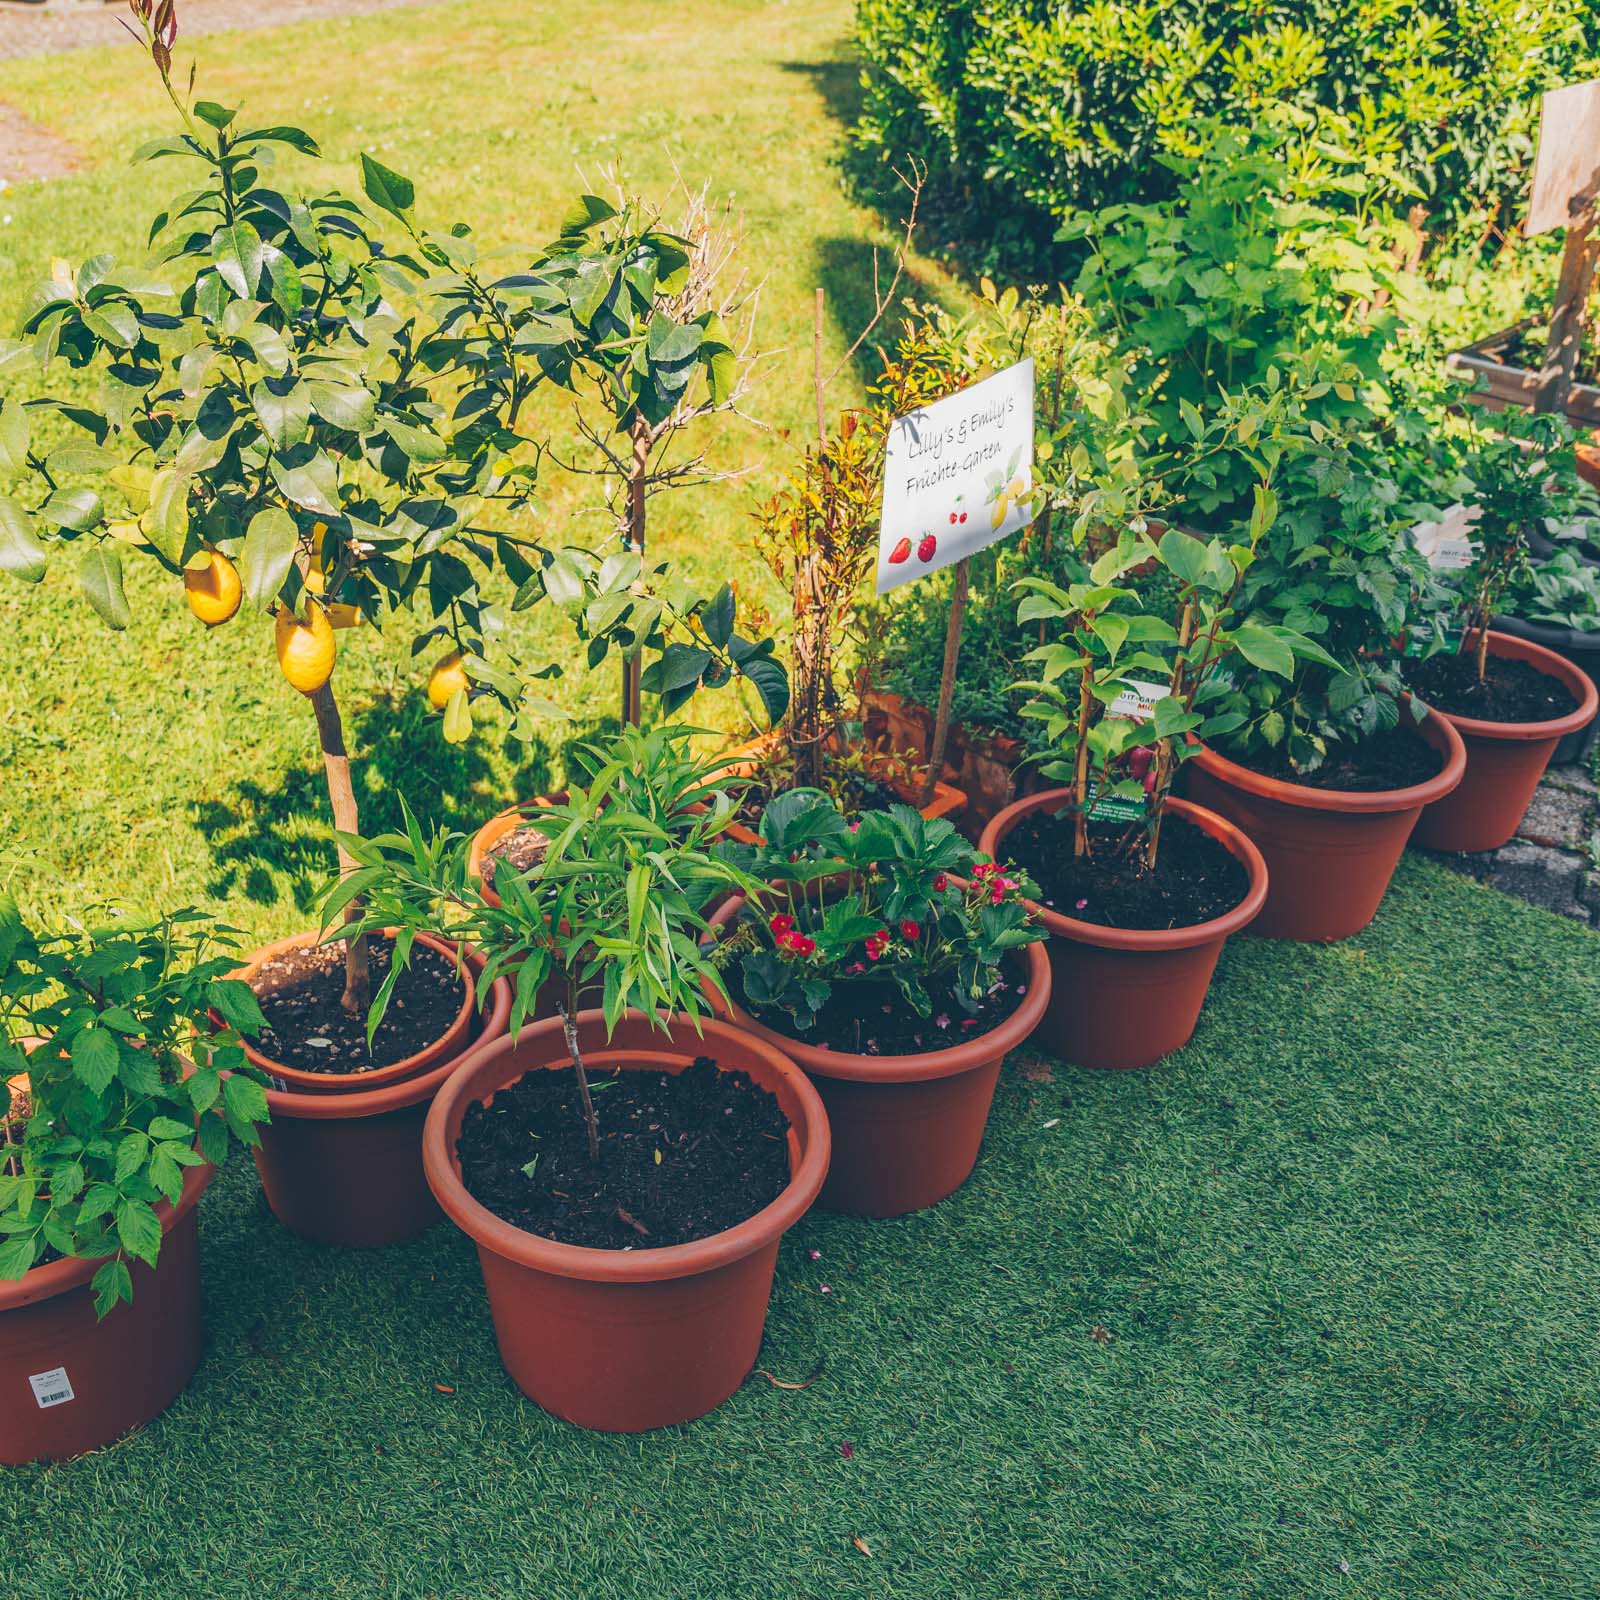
x=271 y=840
x=845 y=272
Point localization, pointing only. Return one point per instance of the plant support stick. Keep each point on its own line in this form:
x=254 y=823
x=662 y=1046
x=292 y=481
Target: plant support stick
x=1569 y=313
x=947 y=680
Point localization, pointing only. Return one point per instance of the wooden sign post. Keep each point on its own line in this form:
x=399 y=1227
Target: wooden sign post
x=1566 y=181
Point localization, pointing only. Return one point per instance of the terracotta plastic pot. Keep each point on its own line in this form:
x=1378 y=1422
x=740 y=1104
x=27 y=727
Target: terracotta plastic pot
x=1127 y=997
x=496 y=829
x=70 y=1383
x=625 y=1340
x=346 y=1169
x=906 y=1129
x=1582 y=649
x=746 y=758
x=1505 y=760
x=447 y=1047
x=1330 y=853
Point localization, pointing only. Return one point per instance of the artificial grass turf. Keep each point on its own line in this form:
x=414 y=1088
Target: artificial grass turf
x=1308 y=1310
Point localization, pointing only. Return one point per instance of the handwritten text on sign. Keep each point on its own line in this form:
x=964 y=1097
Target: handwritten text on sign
x=958 y=477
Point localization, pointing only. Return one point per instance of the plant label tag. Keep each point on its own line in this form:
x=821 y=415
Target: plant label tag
x=958 y=477
x=1446 y=544
x=1138 y=700
x=1115 y=808
x=1569 y=147
x=52 y=1388
x=1420 y=642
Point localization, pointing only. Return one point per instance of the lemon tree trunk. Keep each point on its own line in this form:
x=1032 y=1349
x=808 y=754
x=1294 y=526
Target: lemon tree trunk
x=346 y=818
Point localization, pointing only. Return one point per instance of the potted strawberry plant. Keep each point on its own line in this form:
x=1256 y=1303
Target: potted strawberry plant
x=626 y=1171
x=114 y=1127
x=899 y=969
x=1510 y=699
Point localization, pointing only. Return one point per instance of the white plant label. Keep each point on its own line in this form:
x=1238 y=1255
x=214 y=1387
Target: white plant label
x=52 y=1388
x=1446 y=544
x=1138 y=700
x=958 y=477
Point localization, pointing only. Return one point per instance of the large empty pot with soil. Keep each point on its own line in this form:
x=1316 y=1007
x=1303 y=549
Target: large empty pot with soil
x=1582 y=649
x=1330 y=853
x=627 y=1338
x=1128 y=996
x=1505 y=759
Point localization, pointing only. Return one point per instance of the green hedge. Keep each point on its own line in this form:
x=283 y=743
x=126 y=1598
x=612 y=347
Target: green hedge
x=1024 y=108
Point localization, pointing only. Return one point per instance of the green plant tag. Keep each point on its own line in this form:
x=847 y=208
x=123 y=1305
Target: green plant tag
x=1116 y=808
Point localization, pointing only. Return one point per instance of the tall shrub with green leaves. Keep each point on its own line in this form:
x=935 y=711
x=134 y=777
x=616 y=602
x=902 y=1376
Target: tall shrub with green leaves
x=1024 y=109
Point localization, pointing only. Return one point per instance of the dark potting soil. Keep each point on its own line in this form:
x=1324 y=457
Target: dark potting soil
x=1195 y=880
x=1395 y=758
x=308 y=1028
x=1511 y=691
x=682 y=1155
x=868 y=1019
x=520 y=849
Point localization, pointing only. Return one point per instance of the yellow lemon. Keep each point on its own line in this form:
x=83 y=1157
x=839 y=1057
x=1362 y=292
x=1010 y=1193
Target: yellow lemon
x=341 y=615
x=316 y=580
x=305 y=647
x=447 y=676
x=212 y=590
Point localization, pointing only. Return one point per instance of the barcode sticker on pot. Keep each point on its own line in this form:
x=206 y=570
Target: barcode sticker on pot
x=1138 y=700
x=52 y=1388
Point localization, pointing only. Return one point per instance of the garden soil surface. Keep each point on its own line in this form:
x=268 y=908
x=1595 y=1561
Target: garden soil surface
x=682 y=1155
x=1393 y=759
x=1512 y=691
x=309 y=1029
x=521 y=849
x=1195 y=880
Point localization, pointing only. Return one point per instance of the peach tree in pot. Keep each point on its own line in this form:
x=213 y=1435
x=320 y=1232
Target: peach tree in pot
x=1143 y=889
x=312 y=427
x=898 y=969
x=1511 y=700
x=116 y=1124
x=627 y=1171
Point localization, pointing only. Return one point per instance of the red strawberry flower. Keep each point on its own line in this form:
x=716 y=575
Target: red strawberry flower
x=781 y=923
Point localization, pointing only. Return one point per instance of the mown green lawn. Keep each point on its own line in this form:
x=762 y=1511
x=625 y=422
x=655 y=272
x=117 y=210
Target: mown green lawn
x=1319 y=1292
x=1309 y=1311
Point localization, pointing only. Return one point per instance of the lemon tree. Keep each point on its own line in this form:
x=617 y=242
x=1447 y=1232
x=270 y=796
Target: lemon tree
x=308 y=422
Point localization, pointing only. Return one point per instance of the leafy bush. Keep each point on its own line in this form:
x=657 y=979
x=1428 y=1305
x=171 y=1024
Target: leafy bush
x=1023 y=109
x=102 y=1021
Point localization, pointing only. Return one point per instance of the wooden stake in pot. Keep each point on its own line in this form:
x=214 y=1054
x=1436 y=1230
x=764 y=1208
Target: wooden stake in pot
x=947 y=679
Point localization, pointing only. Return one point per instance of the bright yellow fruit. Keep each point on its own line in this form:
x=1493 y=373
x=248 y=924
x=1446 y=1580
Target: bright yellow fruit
x=341 y=615
x=305 y=647
x=447 y=676
x=212 y=590
x=316 y=580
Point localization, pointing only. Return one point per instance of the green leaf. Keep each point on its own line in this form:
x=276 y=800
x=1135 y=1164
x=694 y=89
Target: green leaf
x=112 y=1285
x=238 y=255
x=132 y=1150
x=267 y=555
x=100 y=577
x=586 y=212
x=771 y=682
x=340 y=407
x=309 y=478
x=95 y=1057
x=296 y=137
x=114 y=324
x=166 y=522
x=458 y=718
x=387 y=190
x=77 y=509
x=235 y=1002
x=245 y=1102
x=210 y=111
x=1263 y=649
x=14 y=436
x=139 y=1230
x=20 y=552
x=17 y=1255
x=285 y=412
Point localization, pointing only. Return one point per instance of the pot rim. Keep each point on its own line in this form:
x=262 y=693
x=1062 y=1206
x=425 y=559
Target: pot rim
x=1438 y=731
x=1545 y=660
x=497 y=1060
x=343 y=1083
x=394 y=1096
x=490 y=833
x=966 y=1055
x=74 y=1272
x=1237 y=843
